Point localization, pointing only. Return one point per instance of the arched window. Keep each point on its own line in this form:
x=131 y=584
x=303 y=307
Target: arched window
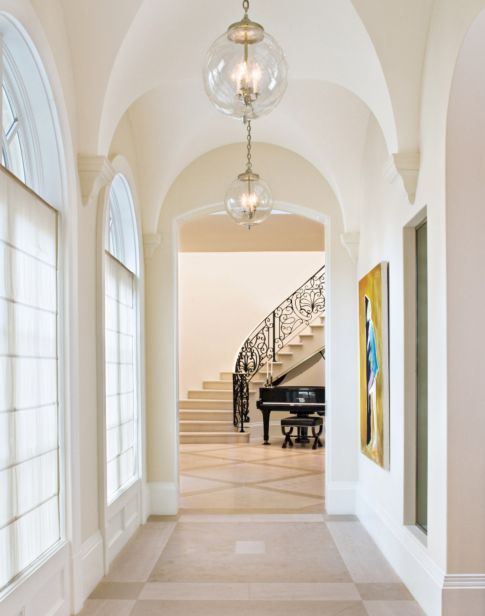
x=30 y=456
x=121 y=341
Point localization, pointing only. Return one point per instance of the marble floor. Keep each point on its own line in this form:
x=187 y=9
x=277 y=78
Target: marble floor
x=251 y=539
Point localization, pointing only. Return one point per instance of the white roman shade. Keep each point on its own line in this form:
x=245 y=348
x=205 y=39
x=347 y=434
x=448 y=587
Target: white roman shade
x=29 y=432
x=121 y=395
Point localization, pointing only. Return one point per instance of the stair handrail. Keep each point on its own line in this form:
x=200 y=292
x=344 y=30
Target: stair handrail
x=291 y=316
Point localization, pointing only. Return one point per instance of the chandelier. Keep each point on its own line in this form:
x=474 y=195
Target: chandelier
x=248 y=199
x=245 y=73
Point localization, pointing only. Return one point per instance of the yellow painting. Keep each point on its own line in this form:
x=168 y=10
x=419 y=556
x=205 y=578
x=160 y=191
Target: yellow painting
x=374 y=365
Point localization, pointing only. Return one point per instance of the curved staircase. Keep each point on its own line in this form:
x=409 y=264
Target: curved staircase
x=206 y=415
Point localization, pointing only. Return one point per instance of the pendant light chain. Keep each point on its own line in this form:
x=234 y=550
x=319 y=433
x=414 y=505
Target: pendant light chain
x=250 y=165
x=245 y=5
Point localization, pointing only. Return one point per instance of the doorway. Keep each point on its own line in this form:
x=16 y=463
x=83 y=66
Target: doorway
x=229 y=280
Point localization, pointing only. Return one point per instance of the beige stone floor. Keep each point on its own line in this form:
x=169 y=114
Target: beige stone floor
x=251 y=539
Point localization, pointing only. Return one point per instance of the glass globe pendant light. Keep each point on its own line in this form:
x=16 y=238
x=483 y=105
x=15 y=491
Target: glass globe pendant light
x=245 y=73
x=248 y=199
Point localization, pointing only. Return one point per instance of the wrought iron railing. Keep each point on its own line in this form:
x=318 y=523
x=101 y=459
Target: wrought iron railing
x=271 y=335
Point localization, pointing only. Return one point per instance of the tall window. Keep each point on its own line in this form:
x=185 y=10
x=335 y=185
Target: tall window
x=121 y=341
x=422 y=376
x=30 y=520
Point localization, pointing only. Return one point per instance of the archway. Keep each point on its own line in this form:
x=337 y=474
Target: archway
x=202 y=183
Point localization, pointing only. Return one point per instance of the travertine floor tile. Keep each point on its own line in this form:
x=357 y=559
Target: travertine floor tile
x=252 y=518
x=249 y=608
x=312 y=485
x=95 y=607
x=393 y=608
x=245 y=473
x=295 y=552
x=199 y=460
x=137 y=559
x=189 y=484
x=384 y=592
x=361 y=555
x=195 y=591
x=117 y=590
x=244 y=499
x=303 y=591
x=254 y=453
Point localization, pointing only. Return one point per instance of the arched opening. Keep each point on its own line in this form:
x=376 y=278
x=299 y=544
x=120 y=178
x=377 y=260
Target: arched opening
x=316 y=202
x=229 y=281
x=121 y=466
x=32 y=315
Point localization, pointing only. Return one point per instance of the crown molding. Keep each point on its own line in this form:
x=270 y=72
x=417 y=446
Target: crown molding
x=151 y=242
x=351 y=241
x=404 y=165
x=95 y=172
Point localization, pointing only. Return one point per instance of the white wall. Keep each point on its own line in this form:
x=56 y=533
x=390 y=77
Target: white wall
x=223 y=296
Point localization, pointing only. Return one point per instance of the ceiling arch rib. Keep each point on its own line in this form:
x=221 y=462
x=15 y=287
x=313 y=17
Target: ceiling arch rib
x=324 y=40
x=329 y=131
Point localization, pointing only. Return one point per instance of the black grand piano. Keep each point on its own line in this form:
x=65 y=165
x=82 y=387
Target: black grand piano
x=298 y=399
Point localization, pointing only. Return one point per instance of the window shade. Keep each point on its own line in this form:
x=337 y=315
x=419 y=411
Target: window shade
x=121 y=416
x=29 y=435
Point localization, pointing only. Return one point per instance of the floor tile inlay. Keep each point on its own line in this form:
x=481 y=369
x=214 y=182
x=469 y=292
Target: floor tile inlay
x=252 y=539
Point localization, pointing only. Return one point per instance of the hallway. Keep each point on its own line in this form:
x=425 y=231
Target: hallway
x=249 y=541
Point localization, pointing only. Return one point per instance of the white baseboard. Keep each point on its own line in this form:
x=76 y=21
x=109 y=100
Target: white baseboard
x=407 y=555
x=464 y=594
x=163 y=498
x=92 y=563
x=340 y=497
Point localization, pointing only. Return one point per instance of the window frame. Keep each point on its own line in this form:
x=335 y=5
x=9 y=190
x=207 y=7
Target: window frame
x=121 y=509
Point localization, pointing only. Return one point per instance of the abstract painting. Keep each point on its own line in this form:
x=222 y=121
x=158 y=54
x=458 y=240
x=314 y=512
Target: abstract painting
x=374 y=365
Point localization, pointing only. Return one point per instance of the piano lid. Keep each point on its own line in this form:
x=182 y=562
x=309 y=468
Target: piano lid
x=296 y=394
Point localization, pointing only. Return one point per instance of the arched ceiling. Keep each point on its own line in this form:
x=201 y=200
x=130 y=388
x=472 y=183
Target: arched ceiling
x=142 y=59
x=328 y=130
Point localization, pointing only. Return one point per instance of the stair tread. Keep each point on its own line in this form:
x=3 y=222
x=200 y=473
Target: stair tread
x=215 y=433
x=205 y=421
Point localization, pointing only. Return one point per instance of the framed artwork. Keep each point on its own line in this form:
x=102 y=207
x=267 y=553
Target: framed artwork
x=374 y=364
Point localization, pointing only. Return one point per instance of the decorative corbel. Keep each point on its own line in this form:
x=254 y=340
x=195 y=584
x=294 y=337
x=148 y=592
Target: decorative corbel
x=404 y=165
x=350 y=241
x=95 y=172
x=151 y=241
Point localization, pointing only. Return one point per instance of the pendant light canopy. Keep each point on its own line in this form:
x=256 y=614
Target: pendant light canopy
x=248 y=199
x=245 y=73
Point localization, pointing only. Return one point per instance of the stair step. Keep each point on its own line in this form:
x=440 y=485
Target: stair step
x=206 y=426
x=211 y=405
x=217 y=385
x=317 y=326
x=210 y=394
x=307 y=336
x=284 y=354
x=205 y=415
x=295 y=345
x=214 y=437
x=226 y=376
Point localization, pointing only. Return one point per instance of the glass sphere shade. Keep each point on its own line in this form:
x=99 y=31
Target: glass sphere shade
x=245 y=80
x=248 y=200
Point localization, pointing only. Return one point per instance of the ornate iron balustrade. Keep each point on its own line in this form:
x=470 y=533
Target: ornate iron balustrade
x=271 y=335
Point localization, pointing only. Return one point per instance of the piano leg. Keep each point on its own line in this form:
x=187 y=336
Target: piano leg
x=266 y=414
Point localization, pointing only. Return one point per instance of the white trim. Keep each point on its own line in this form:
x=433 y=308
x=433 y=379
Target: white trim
x=163 y=498
x=464 y=580
x=406 y=553
x=87 y=570
x=44 y=591
x=340 y=497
